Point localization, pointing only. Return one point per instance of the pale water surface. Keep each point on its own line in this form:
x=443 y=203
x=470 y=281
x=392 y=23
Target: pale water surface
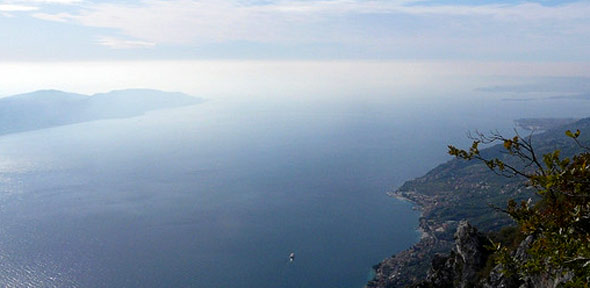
x=219 y=194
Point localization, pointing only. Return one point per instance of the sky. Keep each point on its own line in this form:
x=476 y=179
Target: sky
x=400 y=30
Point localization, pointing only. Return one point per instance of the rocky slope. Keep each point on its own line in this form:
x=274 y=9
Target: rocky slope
x=456 y=191
x=465 y=265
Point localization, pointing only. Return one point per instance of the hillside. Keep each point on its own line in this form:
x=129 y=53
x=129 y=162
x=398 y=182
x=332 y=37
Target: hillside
x=460 y=190
x=542 y=124
x=50 y=108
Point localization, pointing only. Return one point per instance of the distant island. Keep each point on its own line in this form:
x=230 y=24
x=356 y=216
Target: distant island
x=50 y=108
x=582 y=96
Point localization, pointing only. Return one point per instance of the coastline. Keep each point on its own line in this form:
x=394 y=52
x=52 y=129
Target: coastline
x=412 y=264
x=416 y=206
x=399 y=196
x=451 y=192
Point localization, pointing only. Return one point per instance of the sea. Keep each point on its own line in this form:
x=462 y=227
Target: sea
x=220 y=193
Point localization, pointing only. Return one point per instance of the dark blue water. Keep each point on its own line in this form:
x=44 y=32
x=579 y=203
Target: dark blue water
x=219 y=194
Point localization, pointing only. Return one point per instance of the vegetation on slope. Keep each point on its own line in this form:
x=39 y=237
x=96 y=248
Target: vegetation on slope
x=558 y=224
x=468 y=190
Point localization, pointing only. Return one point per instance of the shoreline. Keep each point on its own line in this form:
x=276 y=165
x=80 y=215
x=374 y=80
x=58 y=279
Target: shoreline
x=400 y=196
x=411 y=264
x=416 y=206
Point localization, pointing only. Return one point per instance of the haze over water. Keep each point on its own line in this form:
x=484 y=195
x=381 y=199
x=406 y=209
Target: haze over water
x=314 y=110
x=218 y=194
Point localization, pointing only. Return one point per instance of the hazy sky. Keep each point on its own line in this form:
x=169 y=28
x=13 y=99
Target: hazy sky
x=443 y=30
x=275 y=47
x=295 y=78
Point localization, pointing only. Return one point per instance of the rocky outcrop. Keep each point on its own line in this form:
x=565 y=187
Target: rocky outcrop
x=458 y=269
x=471 y=252
x=543 y=280
x=411 y=265
x=429 y=264
x=458 y=190
x=465 y=267
x=461 y=267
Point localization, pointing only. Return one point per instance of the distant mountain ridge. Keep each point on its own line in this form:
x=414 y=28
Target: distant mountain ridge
x=49 y=108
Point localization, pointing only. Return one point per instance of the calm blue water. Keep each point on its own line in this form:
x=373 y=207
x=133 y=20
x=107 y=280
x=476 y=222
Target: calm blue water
x=219 y=194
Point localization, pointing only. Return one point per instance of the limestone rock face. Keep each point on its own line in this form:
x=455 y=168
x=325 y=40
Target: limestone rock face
x=469 y=246
x=460 y=268
x=443 y=270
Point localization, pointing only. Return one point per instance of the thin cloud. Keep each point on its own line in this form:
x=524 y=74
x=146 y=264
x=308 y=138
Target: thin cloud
x=184 y=21
x=58 y=17
x=17 y=8
x=62 y=2
x=404 y=27
x=30 y=5
x=117 y=43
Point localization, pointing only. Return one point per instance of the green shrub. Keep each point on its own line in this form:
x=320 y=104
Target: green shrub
x=559 y=221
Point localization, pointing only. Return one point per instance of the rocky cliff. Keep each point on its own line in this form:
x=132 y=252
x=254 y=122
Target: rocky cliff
x=465 y=265
x=457 y=191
